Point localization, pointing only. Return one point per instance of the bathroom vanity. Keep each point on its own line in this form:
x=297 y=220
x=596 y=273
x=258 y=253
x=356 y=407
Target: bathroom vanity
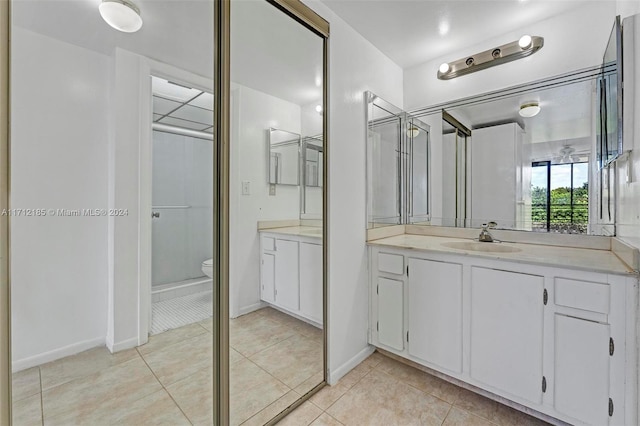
x=291 y=270
x=550 y=328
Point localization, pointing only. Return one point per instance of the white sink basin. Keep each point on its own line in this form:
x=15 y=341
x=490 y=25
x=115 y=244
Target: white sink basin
x=477 y=246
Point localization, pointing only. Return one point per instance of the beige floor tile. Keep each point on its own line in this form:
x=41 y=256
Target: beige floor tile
x=182 y=359
x=325 y=420
x=251 y=390
x=374 y=359
x=272 y=409
x=81 y=365
x=28 y=411
x=25 y=383
x=297 y=325
x=155 y=409
x=507 y=416
x=459 y=417
x=310 y=383
x=477 y=404
x=355 y=375
x=194 y=395
x=380 y=399
x=99 y=397
x=292 y=361
x=235 y=356
x=302 y=416
x=328 y=395
x=171 y=337
x=420 y=380
x=251 y=334
x=207 y=324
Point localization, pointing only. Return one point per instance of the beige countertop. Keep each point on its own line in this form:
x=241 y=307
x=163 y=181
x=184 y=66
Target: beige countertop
x=302 y=231
x=575 y=258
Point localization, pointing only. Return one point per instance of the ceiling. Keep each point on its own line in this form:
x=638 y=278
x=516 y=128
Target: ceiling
x=177 y=32
x=181 y=106
x=272 y=53
x=411 y=32
x=564 y=118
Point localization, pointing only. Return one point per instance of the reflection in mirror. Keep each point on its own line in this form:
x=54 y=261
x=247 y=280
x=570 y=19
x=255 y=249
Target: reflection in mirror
x=284 y=157
x=112 y=138
x=276 y=254
x=398 y=155
x=531 y=173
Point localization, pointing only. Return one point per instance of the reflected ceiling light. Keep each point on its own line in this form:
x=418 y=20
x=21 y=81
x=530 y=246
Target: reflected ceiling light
x=121 y=14
x=443 y=28
x=530 y=109
x=567 y=155
x=496 y=56
x=525 y=41
x=319 y=109
x=444 y=67
x=413 y=131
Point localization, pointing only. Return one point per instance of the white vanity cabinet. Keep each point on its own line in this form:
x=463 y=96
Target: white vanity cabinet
x=506 y=331
x=559 y=341
x=291 y=274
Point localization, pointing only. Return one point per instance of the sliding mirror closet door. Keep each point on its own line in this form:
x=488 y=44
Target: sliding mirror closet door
x=277 y=185
x=113 y=189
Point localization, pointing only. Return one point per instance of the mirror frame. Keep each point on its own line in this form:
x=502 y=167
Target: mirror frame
x=5 y=287
x=270 y=146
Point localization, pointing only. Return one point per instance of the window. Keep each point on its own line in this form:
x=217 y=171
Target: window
x=560 y=197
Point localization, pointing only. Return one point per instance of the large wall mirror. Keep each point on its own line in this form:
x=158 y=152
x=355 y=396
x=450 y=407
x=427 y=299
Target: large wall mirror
x=113 y=141
x=277 y=181
x=525 y=158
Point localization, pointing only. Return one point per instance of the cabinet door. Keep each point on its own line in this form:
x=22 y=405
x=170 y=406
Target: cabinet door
x=506 y=331
x=311 y=281
x=435 y=313
x=287 y=279
x=581 y=383
x=267 y=277
x=390 y=313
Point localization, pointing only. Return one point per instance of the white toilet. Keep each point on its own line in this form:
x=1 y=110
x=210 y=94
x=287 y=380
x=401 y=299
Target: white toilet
x=207 y=267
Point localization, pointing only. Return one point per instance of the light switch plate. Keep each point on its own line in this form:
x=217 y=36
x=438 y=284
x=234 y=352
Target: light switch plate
x=246 y=187
x=272 y=189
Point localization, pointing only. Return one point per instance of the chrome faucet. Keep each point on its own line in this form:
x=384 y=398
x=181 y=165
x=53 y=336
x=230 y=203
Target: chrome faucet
x=485 y=236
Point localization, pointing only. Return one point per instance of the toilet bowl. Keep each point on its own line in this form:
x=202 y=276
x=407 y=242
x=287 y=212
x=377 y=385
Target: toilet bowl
x=207 y=267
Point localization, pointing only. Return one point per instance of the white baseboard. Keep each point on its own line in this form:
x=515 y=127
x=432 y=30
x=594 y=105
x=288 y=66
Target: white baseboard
x=43 y=358
x=121 y=346
x=250 y=308
x=341 y=371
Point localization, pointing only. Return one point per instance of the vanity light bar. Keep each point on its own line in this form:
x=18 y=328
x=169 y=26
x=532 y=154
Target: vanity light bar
x=527 y=45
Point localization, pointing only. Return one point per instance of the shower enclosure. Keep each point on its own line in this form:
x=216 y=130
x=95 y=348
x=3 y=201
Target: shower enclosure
x=182 y=214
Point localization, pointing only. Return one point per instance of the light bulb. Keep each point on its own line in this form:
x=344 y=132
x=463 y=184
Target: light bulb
x=413 y=131
x=525 y=41
x=121 y=14
x=444 y=68
x=318 y=108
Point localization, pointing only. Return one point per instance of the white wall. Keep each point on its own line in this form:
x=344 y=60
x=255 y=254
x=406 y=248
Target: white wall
x=58 y=160
x=573 y=40
x=252 y=114
x=355 y=66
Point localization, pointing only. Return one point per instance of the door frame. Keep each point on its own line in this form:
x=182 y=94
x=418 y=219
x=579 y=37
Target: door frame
x=149 y=68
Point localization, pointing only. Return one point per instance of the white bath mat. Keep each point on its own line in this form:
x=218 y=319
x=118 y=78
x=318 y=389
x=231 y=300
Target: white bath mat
x=180 y=311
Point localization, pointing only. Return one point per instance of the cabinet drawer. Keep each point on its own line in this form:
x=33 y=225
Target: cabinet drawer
x=268 y=243
x=391 y=263
x=585 y=295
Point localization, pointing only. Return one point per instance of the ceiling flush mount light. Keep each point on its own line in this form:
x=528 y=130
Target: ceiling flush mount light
x=122 y=15
x=319 y=109
x=525 y=46
x=413 y=131
x=530 y=109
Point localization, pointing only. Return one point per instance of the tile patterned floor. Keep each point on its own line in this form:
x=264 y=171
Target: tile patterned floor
x=274 y=360
x=168 y=380
x=383 y=391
